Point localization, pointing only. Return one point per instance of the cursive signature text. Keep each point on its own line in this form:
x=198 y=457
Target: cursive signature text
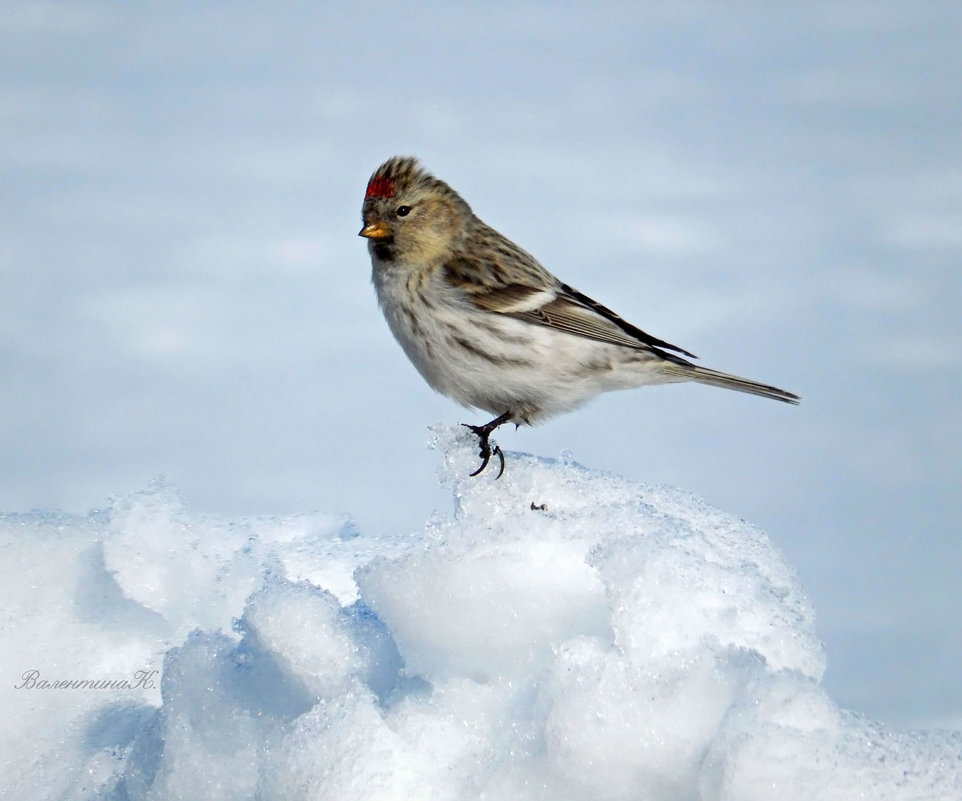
x=32 y=680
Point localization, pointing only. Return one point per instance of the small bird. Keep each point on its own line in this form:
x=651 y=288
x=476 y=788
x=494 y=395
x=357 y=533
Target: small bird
x=485 y=324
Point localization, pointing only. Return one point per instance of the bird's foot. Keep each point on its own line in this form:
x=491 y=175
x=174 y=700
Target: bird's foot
x=483 y=434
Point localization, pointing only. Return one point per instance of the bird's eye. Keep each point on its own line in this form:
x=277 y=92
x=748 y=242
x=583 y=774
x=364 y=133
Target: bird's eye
x=403 y=211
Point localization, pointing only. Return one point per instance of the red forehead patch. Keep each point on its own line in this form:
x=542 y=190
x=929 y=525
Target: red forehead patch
x=379 y=187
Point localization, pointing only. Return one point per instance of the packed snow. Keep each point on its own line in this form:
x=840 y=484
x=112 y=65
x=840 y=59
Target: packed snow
x=562 y=634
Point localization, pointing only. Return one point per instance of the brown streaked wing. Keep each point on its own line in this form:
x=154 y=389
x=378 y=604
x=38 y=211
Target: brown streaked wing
x=569 y=310
x=633 y=331
x=573 y=318
x=510 y=299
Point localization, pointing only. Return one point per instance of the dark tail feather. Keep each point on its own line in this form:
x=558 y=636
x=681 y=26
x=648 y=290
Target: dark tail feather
x=714 y=378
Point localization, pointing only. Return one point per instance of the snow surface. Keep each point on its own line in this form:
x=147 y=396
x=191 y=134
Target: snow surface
x=563 y=634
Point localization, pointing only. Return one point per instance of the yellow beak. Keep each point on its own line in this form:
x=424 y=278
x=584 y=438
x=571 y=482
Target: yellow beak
x=374 y=230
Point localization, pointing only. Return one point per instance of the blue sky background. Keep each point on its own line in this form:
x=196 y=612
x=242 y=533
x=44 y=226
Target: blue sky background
x=776 y=187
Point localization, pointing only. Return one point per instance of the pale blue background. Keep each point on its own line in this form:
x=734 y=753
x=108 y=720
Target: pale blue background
x=774 y=186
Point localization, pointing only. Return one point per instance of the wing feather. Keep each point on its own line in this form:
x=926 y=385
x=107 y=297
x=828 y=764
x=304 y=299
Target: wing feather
x=552 y=304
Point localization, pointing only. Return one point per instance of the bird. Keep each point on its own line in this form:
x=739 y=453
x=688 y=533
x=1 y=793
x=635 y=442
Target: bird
x=487 y=325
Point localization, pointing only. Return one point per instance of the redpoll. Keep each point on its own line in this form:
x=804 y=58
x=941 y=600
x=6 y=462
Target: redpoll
x=485 y=324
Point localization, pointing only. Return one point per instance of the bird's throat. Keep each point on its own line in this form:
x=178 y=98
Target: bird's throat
x=384 y=250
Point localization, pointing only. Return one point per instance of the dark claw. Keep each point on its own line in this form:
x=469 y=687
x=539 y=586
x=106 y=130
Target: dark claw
x=497 y=451
x=485 y=450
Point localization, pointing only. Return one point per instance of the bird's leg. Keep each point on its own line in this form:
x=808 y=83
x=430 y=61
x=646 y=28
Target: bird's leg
x=484 y=433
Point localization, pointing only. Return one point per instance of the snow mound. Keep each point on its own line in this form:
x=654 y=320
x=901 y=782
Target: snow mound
x=563 y=634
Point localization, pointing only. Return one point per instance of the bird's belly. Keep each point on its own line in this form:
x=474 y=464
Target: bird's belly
x=502 y=364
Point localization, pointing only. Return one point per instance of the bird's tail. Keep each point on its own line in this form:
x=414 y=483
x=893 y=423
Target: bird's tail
x=704 y=375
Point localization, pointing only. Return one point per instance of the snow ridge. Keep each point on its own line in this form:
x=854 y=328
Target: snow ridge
x=562 y=634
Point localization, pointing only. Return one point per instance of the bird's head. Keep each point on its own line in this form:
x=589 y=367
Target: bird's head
x=411 y=216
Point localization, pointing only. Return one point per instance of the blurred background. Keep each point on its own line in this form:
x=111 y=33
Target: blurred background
x=775 y=187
